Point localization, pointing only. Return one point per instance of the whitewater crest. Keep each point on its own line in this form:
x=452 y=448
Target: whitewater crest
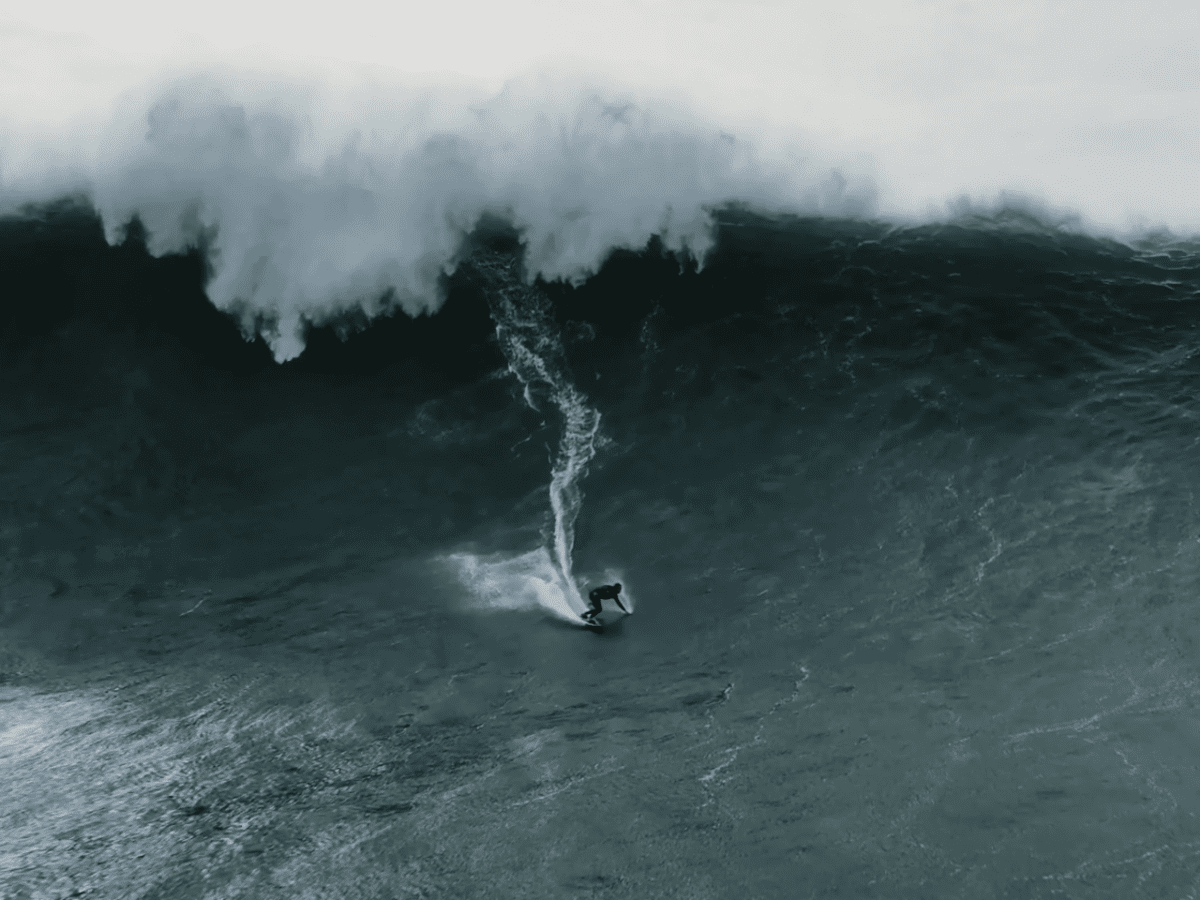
x=315 y=198
x=531 y=342
x=315 y=202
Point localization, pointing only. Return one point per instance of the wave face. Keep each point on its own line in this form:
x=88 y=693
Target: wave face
x=909 y=514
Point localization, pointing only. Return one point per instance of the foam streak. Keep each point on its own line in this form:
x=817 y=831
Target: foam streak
x=527 y=333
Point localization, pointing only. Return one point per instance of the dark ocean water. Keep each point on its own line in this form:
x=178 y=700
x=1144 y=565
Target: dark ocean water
x=908 y=514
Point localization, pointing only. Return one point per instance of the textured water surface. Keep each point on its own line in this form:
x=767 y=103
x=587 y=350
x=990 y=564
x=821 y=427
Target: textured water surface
x=909 y=517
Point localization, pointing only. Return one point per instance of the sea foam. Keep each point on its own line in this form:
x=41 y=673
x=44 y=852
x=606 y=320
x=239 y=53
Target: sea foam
x=316 y=196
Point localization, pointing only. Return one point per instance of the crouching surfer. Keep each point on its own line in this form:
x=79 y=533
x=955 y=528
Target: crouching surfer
x=597 y=595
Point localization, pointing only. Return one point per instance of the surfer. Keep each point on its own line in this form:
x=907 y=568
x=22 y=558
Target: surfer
x=604 y=592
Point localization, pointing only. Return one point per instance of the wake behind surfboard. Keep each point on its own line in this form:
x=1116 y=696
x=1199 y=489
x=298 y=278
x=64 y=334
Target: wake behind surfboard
x=528 y=333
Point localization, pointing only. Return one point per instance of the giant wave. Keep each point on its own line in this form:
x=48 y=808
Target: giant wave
x=303 y=390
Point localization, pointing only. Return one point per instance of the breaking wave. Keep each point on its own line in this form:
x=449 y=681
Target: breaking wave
x=312 y=200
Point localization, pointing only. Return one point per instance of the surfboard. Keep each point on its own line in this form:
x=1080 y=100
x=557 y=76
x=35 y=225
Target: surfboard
x=607 y=615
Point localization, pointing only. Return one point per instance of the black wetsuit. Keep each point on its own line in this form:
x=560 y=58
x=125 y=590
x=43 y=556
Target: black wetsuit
x=604 y=592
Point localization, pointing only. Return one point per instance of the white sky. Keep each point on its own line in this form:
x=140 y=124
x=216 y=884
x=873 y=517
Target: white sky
x=1089 y=105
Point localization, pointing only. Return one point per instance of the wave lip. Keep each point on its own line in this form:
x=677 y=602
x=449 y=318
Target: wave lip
x=313 y=199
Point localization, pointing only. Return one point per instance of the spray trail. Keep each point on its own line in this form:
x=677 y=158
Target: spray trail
x=531 y=343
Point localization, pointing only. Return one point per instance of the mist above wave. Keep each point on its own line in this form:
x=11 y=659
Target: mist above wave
x=315 y=198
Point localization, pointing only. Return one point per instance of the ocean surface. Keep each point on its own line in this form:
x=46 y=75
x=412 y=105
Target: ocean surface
x=906 y=515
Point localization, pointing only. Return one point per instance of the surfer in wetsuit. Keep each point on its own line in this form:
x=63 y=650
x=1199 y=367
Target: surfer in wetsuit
x=604 y=592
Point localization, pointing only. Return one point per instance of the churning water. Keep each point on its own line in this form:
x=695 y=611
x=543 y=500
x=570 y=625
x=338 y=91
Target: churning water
x=910 y=515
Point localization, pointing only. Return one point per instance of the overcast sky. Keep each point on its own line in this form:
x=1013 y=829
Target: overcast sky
x=1087 y=105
